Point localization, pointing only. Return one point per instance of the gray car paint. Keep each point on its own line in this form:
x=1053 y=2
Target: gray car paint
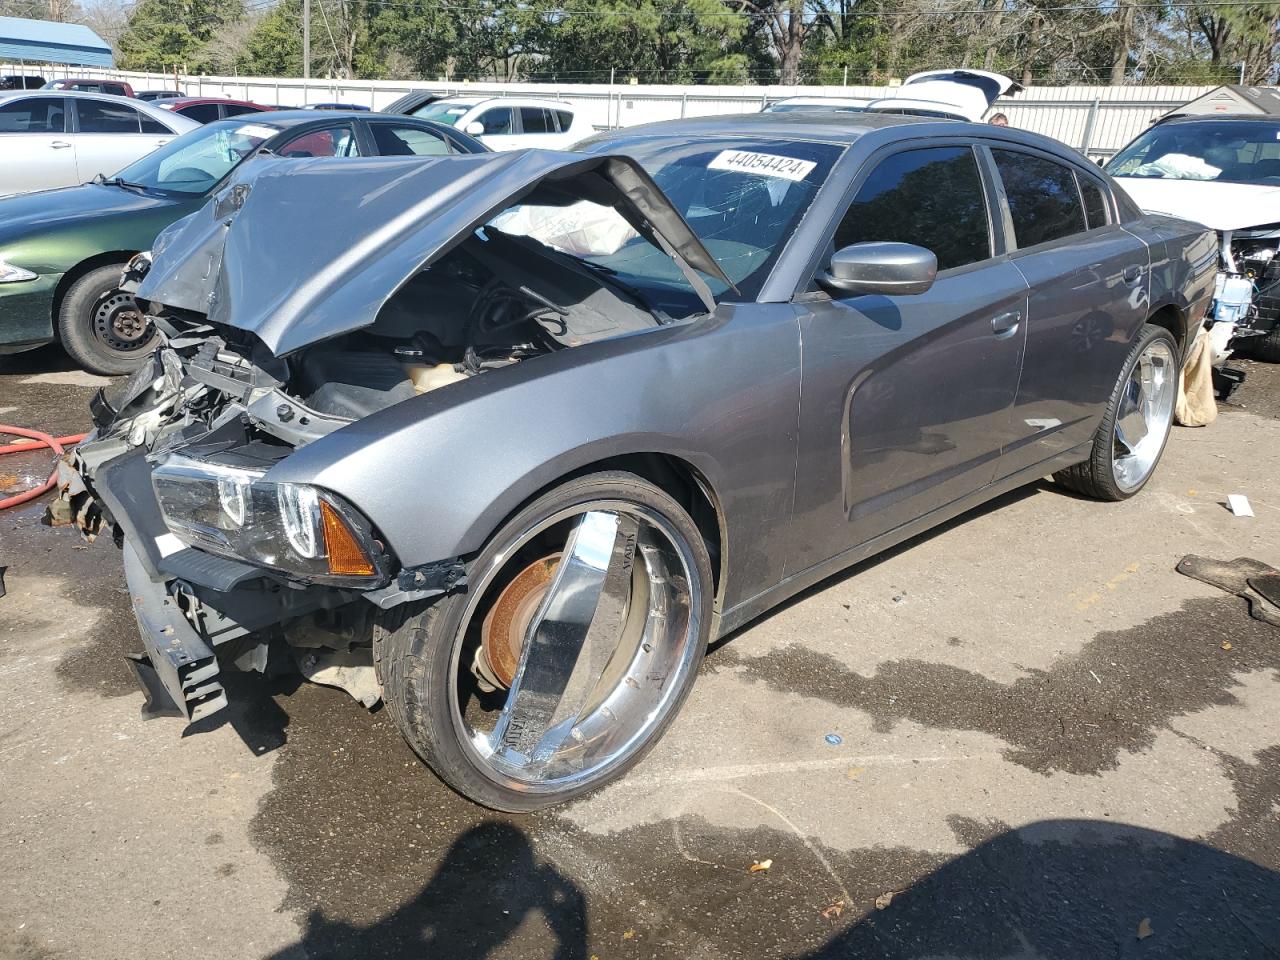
x=395 y=217
x=762 y=399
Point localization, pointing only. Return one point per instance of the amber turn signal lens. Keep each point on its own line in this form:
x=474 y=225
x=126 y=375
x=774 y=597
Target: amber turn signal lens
x=345 y=556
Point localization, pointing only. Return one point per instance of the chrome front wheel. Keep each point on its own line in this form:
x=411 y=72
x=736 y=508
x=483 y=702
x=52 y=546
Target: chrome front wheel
x=580 y=634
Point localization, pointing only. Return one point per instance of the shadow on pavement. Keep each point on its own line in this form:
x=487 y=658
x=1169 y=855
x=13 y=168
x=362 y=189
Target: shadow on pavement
x=47 y=359
x=1072 y=889
x=488 y=884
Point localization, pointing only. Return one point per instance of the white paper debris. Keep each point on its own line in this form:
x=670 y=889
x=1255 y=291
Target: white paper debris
x=1239 y=505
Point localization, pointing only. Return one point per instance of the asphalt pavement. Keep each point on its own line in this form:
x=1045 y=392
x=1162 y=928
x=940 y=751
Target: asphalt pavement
x=1021 y=735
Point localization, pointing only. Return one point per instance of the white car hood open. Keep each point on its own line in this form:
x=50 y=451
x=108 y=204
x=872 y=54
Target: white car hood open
x=1220 y=206
x=966 y=94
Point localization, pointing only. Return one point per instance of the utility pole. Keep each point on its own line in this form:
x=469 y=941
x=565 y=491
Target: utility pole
x=306 y=39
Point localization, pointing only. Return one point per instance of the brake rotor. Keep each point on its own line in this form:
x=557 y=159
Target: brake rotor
x=505 y=625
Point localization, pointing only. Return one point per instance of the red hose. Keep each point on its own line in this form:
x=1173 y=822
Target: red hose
x=42 y=440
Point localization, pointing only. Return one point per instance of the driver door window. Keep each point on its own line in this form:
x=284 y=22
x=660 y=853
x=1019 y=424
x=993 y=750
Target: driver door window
x=330 y=142
x=932 y=198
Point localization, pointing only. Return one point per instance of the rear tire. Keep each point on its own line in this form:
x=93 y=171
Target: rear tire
x=100 y=328
x=423 y=652
x=1119 y=466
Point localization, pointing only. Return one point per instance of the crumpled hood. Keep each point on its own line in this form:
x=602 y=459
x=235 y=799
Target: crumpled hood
x=1219 y=206
x=298 y=251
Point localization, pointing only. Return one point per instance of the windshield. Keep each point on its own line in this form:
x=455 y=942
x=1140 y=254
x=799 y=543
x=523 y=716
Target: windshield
x=742 y=196
x=196 y=161
x=1244 y=151
x=444 y=111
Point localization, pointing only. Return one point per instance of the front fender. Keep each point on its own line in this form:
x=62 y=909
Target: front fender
x=439 y=473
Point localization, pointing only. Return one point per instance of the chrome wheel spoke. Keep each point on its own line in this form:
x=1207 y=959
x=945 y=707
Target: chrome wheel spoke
x=570 y=640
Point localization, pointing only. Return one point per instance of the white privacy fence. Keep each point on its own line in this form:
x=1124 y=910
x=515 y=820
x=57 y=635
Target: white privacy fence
x=1096 y=120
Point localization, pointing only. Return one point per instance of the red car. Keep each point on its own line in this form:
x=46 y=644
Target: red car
x=209 y=109
x=117 y=88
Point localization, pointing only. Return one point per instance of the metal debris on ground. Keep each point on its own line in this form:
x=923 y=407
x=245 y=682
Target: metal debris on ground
x=760 y=866
x=1253 y=580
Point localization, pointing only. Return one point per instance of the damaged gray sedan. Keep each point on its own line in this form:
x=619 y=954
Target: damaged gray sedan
x=503 y=441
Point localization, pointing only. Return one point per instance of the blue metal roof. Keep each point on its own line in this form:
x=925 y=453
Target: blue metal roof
x=48 y=41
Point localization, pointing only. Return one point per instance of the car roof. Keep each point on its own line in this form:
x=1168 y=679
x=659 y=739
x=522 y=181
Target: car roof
x=1215 y=117
x=188 y=101
x=508 y=101
x=839 y=128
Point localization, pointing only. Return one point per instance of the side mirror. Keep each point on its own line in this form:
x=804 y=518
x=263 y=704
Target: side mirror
x=475 y=128
x=884 y=267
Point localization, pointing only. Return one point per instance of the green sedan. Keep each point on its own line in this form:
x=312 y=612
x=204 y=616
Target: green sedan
x=62 y=252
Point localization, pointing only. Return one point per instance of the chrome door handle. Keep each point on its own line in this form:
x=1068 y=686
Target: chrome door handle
x=59 y=145
x=1005 y=325
x=1132 y=273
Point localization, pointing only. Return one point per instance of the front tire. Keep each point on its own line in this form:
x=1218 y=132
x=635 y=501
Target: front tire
x=100 y=327
x=575 y=645
x=1135 y=427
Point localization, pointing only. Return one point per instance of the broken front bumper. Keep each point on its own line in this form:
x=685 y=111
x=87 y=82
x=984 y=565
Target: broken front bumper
x=178 y=670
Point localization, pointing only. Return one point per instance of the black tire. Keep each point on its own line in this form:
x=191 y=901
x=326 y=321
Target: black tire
x=85 y=328
x=1265 y=347
x=414 y=646
x=1095 y=477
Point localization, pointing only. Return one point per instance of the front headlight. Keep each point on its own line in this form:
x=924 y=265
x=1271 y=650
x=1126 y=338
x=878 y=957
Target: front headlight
x=11 y=274
x=292 y=527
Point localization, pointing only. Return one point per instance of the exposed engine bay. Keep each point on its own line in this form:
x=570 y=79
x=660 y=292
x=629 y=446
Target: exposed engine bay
x=214 y=395
x=1247 y=294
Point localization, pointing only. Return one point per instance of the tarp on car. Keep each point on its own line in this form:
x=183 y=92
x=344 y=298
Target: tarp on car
x=46 y=41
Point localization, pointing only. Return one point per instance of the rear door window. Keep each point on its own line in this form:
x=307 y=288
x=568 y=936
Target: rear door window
x=201 y=112
x=931 y=197
x=1043 y=200
x=34 y=115
x=537 y=120
x=236 y=109
x=100 y=116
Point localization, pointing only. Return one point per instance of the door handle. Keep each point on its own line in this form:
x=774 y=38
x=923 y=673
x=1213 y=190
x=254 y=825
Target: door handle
x=161 y=143
x=1132 y=274
x=1005 y=325
x=59 y=145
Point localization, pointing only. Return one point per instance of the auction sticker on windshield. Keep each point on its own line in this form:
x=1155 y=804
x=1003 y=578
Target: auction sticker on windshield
x=257 y=130
x=765 y=164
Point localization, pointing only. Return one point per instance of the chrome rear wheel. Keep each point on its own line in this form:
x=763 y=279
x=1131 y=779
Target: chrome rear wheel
x=1145 y=415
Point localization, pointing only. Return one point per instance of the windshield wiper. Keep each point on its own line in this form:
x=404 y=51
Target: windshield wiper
x=117 y=182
